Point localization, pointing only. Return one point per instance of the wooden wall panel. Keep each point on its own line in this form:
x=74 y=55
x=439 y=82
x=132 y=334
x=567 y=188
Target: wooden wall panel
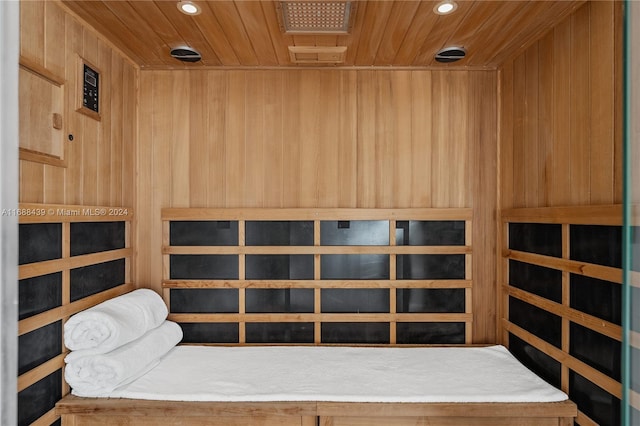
x=100 y=166
x=317 y=139
x=559 y=143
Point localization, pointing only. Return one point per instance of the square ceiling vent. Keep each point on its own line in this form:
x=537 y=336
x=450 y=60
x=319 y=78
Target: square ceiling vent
x=316 y=17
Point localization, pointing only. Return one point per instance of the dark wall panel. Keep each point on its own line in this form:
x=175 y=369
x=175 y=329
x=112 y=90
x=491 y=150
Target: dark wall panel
x=279 y=267
x=354 y=300
x=599 y=298
x=39 y=294
x=39 y=242
x=430 y=266
x=596 y=403
x=203 y=266
x=207 y=332
x=540 y=238
x=279 y=233
x=39 y=398
x=94 y=237
x=355 y=332
x=597 y=244
x=430 y=233
x=282 y=332
x=354 y=267
x=279 y=300
x=430 y=333
x=39 y=346
x=537 y=361
x=203 y=300
x=599 y=351
x=430 y=300
x=543 y=324
x=93 y=279
x=203 y=233
x=545 y=282
x=354 y=233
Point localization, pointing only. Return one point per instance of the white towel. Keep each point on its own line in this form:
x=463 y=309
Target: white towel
x=98 y=375
x=295 y=373
x=114 y=322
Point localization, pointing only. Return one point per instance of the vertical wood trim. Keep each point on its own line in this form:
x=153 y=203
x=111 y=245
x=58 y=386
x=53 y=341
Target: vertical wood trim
x=317 y=293
x=105 y=139
x=143 y=201
x=566 y=301
x=546 y=120
x=506 y=129
x=198 y=140
x=217 y=138
x=179 y=145
x=580 y=106
x=392 y=277
x=421 y=127
x=530 y=141
x=483 y=187
x=242 y=325
x=561 y=156
x=603 y=94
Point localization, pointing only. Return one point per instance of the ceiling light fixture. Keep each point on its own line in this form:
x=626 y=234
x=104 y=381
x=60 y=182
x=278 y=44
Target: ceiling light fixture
x=188 y=7
x=445 y=7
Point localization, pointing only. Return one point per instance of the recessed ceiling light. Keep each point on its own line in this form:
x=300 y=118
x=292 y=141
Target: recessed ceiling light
x=188 y=8
x=445 y=7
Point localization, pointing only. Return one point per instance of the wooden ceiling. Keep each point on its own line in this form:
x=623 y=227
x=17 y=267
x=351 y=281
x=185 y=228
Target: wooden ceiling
x=245 y=33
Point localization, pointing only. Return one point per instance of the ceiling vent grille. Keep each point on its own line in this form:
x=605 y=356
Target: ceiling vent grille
x=316 y=17
x=317 y=54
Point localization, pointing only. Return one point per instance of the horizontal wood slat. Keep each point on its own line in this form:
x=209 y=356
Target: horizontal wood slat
x=66 y=263
x=317 y=316
x=605 y=215
x=66 y=216
x=317 y=250
x=578 y=215
x=52 y=315
x=606 y=273
x=322 y=317
x=40 y=372
x=175 y=214
x=594 y=323
x=317 y=284
x=602 y=380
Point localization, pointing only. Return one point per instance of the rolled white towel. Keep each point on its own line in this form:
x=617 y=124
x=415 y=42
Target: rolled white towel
x=99 y=375
x=114 y=322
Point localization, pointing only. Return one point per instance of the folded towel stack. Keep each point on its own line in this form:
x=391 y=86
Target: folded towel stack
x=117 y=341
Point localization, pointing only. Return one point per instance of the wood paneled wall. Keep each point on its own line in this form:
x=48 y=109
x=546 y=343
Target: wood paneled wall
x=100 y=165
x=319 y=138
x=561 y=114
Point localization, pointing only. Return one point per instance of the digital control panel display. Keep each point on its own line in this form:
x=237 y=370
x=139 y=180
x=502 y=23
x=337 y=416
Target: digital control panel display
x=90 y=97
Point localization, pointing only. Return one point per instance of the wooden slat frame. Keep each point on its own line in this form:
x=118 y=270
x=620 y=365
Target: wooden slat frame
x=67 y=214
x=317 y=215
x=610 y=215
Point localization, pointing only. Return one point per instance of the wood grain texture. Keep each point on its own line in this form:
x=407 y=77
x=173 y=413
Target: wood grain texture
x=241 y=33
x=82 y=411
x=100 y=163
x=319 y=139
x=560 y=142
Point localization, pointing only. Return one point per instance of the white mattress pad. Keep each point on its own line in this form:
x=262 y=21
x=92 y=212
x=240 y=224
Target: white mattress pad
x=340 y=374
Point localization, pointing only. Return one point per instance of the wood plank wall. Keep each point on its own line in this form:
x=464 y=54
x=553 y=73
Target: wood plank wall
x=560 y=145
x=101 y=156
x=320 y=138
x=561 y=117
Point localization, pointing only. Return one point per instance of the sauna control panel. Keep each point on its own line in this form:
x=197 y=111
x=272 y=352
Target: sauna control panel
x=90 y=86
